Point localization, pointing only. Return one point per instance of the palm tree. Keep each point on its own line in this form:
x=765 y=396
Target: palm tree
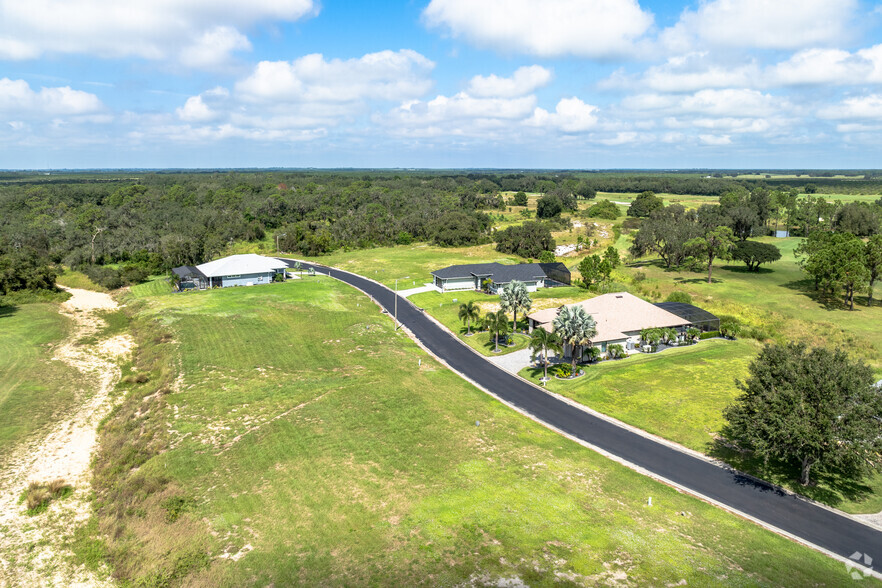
x=507 y=299
x=514 y=297
x=523 y=302
x=541 y=341
x=468 y=312
x=575 y=327
x=496 y=323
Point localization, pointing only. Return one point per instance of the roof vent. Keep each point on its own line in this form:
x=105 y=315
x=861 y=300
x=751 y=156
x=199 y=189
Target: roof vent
x=619 y=296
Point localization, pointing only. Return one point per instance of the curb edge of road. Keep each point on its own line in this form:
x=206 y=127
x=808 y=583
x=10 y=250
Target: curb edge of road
x=632 y=466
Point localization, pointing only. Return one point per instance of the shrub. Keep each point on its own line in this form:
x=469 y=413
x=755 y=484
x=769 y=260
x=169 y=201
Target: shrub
x=404 y=238
x=755 y=333
x=729 y=326
x=615 y=351
x=709 y=335
x=564 y=370
x=175 y=507
x=592 y=354
x=40 y=494
x=631 y=224
x=520 y=199
x=603 y=209
x=651 y=336
x=679 y=297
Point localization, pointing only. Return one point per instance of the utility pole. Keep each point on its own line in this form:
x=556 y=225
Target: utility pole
x=277 y=240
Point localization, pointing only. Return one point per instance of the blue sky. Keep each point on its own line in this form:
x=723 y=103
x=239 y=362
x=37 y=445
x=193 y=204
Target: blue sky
x=440 y=83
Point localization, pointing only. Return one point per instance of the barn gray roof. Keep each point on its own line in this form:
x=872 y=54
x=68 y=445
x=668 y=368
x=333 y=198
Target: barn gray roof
x=186 y=271
x=500 y=273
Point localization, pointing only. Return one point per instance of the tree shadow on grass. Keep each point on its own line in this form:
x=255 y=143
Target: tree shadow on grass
x=828 y=487
x=700 y=280
x=742 y=269
x=7 y=310
x=825 y=300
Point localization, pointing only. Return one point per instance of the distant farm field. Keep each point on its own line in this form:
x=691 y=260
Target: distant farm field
x=311 y=443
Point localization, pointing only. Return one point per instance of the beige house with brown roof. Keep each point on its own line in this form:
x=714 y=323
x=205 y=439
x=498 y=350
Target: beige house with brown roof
x=619 y=316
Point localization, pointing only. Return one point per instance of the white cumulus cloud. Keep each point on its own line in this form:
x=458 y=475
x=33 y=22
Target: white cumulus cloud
x=385 y=75
x=196 y=33
x=525 y=80
x=762 y=24
x=687 y=73
x=727 y=103
x=585 y=28
x=17 y=97
x=715 y=140
x=213 y=48
x=857 y=107
x=571 y=115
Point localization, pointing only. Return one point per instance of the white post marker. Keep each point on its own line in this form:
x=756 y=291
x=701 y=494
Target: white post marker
x=650 y=501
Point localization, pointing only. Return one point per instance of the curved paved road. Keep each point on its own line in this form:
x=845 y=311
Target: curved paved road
x=824 y=528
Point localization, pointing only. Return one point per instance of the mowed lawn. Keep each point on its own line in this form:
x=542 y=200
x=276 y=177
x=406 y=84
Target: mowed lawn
x=312 y=445
x=780 y=300
x=34 y=389
x=411 y=265
x=678 y=394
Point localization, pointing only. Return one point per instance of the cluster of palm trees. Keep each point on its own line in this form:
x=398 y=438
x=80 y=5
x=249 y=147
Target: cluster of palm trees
x=654 y=336
x=573 y=326
x=513 y=297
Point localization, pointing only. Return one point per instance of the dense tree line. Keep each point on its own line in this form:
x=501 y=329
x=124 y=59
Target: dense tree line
x=166 y=220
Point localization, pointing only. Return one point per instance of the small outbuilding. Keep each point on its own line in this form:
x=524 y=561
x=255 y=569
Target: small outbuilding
x=247 y=269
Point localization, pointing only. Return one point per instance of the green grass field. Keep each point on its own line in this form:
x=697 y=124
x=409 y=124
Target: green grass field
x=75 y=279
x=410 y=264
x=779 y=300
x=678 y=394
x=156 y=286
x=34 y=389
x=303 y=437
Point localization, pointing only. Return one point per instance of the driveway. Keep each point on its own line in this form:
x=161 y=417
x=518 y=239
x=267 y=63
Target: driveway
x=418 y=290
x=824 y=528
x=512 y=362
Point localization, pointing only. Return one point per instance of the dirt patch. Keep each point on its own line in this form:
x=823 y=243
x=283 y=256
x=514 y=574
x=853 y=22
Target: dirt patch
x=33 y=550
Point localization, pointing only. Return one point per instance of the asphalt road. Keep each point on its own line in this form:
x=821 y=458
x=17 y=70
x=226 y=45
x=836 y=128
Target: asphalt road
x=814 y=524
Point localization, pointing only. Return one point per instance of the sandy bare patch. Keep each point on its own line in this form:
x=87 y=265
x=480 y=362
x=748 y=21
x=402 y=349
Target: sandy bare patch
x=33 y=550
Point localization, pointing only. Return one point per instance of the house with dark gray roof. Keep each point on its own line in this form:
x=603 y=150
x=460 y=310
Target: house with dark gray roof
x=472 y=276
